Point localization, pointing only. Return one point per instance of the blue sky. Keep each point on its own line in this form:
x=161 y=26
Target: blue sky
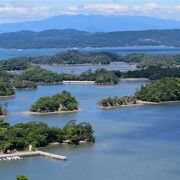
x=22 y=10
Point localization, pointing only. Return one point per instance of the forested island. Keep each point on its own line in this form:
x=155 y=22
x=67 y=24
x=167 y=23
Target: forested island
x=158 y=91
x=78 y=57
x=38 y=134
x=61 y=58
x=56 y=103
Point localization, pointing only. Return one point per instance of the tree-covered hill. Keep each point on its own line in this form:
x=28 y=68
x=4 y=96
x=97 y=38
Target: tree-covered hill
x=74 y=38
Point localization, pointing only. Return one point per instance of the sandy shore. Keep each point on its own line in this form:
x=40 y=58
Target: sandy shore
x=47 y=113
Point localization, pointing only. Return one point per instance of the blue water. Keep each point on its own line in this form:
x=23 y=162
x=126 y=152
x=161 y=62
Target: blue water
x=138 y=143
x=9 y=53
x=133 y=143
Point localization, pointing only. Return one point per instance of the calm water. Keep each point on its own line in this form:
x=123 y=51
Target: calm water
x=138 y=143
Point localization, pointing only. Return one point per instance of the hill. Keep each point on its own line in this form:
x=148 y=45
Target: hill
x=73 y=38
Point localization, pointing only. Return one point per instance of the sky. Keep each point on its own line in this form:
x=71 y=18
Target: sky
x=23 y=10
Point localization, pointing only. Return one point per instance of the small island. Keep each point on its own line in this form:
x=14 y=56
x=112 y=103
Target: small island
x=58 y=103
x=38 y=134
x=165 y=90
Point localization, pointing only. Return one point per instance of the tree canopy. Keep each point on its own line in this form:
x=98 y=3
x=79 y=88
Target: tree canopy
x=20 y=136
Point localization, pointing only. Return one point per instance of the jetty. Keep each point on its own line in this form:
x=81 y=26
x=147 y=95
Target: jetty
x=34 y=153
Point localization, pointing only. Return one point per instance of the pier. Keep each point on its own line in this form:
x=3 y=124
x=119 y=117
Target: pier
x=78 y=82
x=34 y=153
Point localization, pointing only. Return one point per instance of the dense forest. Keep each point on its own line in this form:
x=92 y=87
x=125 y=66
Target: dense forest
x=37 y=74
x=38 y=134
x=6 y=89
x=73 y=38
x=58 y=102
x=166 y=89
x=153 y=72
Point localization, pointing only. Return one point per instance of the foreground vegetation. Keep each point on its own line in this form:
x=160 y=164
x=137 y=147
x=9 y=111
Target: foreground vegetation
x=58 y=102
x=38 y=134
x=163 y=90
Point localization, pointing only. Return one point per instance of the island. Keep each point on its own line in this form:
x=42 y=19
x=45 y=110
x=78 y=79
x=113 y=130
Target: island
x=58 y=103
x=37 y=134
x=165 y=90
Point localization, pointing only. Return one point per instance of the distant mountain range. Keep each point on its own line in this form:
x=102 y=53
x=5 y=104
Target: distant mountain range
x=73 y=38
x=93 y=23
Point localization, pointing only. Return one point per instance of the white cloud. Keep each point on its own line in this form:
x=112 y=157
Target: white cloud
x=146 y=7
x=28 y=11
x=12 y=10
x=110 y=8
x=105 y=8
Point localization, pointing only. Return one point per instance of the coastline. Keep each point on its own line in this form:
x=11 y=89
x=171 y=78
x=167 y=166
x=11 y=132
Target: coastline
x=47 y=113
x=139 y=103
x=133 y=79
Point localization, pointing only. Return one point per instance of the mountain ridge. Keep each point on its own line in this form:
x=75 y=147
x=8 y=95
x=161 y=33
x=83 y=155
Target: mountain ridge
x=93 y=23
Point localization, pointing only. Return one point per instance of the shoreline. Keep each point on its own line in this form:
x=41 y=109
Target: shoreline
x=47 y=113
x=139 y=103
x=133 y=79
